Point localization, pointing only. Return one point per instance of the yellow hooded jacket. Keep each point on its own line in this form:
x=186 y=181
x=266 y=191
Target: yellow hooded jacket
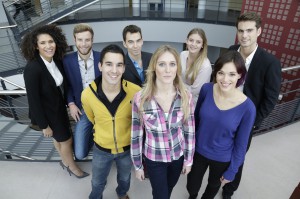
x=110 y=132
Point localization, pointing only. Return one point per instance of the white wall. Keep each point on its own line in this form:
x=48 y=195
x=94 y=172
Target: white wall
x=156 y=33
x=151 y=46
x=169 y=31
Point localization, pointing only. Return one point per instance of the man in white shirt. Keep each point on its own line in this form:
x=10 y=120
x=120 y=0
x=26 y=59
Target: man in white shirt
x=81 y=69
x=263 y=80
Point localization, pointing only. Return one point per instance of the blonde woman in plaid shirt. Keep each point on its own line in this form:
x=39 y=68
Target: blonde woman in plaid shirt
x=163 y=109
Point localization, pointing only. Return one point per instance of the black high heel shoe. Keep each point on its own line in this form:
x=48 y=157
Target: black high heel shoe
x=85 y=174
x=62 y=165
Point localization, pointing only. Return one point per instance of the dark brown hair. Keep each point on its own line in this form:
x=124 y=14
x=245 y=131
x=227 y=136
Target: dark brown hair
x=238 y=61
x=249 y=16
x=131 y=29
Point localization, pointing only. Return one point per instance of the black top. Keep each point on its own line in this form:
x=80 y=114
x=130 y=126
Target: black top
x=131 y=74
x=111 y=106
x=263 y=82
x=47 y=106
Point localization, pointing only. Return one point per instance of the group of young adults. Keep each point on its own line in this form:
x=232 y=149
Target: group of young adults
x=157 y=111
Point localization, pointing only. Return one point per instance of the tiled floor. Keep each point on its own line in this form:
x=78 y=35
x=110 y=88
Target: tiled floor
x=271 y=172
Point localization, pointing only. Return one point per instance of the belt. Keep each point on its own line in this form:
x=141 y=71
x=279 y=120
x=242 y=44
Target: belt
x=125 y=148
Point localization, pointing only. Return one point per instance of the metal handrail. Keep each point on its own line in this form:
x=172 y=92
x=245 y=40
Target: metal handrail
x=289 y=81
x=9 y=26
x=14 y=84
x=13 y=92
x=56 y=19
x=10 y=3
x=73 y=11
x=51 y=15
x=23 y=91
x=9 y=153
x=290 y=68
x=276 y=119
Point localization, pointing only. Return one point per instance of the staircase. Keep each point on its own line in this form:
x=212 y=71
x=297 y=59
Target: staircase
x=11 y=60
x=46 y=13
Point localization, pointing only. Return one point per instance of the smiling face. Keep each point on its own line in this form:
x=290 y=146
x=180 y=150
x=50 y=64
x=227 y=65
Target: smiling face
x=166 y=68
x=112 y=68
x=247 y=34
x=133 y=43
x=194 y=43
x=46 y=46
x=227 y=77
x=84 y=42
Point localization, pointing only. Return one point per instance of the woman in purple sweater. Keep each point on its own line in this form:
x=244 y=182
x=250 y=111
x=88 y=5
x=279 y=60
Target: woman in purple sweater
x=224 y=117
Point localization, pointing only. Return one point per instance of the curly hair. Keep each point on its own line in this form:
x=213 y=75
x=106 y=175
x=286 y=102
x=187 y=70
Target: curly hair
x=29 y=42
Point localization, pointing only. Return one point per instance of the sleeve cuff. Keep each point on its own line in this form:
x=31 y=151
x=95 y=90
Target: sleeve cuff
x=229 y=175
x=187 y=163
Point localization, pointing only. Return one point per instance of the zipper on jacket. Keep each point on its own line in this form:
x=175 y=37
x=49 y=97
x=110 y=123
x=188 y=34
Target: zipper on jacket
x=114 y=133
x=113 y=118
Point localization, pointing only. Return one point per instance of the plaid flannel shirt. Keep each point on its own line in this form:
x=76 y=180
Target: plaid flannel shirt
x=167 y=139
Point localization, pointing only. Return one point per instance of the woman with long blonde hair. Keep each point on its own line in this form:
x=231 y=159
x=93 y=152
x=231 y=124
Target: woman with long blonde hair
x=196 y=67
x=163 y=109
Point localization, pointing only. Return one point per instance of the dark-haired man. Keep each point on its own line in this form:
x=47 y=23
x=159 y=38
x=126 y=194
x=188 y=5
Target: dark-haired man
x=107 y=104
x=136 y=60
x=263 y=81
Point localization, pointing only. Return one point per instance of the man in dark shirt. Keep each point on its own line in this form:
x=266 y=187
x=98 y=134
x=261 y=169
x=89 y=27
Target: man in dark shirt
x=107 y=104
x=136 y=60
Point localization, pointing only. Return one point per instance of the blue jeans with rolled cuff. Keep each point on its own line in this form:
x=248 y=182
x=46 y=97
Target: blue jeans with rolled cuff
x=101 y=165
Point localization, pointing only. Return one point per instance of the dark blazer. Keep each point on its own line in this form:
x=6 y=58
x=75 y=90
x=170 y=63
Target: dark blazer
x=46 y=102
x=131 y=73
x=72 y=71
x=263 y=82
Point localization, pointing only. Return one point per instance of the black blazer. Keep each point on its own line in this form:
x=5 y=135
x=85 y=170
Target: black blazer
x=131 y=73
x=263 y=82
x=46 y=102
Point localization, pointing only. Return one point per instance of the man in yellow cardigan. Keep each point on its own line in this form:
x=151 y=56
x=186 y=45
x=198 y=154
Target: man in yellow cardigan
x=107 y=104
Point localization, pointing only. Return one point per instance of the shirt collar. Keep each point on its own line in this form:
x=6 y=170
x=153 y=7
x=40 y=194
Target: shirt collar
x=91 y=56
x=49 y=64
x=136 y=64
x=250 y=57
x=100 y=91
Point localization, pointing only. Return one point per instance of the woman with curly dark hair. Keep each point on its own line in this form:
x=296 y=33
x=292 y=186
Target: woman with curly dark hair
x=44 y=49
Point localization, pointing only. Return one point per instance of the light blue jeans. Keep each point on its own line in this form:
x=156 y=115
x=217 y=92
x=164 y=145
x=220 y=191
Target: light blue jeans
x=101 y=163
x=83 y=137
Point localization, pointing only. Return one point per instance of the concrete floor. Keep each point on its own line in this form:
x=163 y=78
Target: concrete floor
x=271 y=171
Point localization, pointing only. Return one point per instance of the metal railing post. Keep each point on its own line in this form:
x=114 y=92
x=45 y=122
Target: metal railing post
x=12 y=109
x=13 y=47
x=295 y=111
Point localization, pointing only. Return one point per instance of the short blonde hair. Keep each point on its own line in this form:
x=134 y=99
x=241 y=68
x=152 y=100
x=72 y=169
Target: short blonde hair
x=82 y=27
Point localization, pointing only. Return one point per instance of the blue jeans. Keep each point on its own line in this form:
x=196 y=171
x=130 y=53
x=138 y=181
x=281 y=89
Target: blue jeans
x=83 y=137
x=101 y=163
x=163 y=177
